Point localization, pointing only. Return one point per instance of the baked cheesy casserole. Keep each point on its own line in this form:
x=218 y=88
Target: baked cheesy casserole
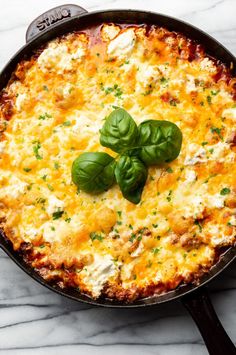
x=52 y=110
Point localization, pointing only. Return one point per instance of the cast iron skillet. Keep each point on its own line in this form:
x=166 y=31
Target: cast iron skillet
x=66 y=18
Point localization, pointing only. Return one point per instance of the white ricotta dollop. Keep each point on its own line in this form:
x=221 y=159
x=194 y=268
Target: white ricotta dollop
x=190 y=176
x=14 y=189
x=217 y=236
x=146 y=74
x=54 y=205
x=230 y=113
x=220 y=152
x=109 y=32
x=55 y=57
x=123 y=44
x=196 y=154
x=78 y=54
x=207 y=64
x=216 y=201
x=195 y=208
x=20 y=101
x=98 y=273
x=190 y=84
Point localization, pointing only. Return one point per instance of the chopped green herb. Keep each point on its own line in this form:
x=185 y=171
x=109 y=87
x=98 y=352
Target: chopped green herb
x=36 y=148
x=169 y=196
x=57 y=214
x=50 y=187
x=112 y=89
x=119 y=213
x=155 y=251
x=44 y=177
x=53 y=228
x=202 y=103
x=198 y=224
x=96 y=236
x=209 y=99
x=27 y=170
x=66 y=123
x=209 y=177
x=217 y=130
x=149 y=264
x=148 y=92
x=155 y=225
x=169 y=170
x=214 y=92
x=139 y=234
x=43 y=117
x=41 y=200
x=56 y=165
x=204 y=143
x=225 y=191
x=164 y=81
x=29 y=187
x=118 y=93
x=173 y=102
x=133 y=236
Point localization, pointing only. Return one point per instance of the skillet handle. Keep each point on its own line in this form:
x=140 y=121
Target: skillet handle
x=50 y=17
x=199 y=305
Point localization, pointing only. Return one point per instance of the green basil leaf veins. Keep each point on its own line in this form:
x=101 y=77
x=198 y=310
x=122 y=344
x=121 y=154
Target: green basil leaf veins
x=119 y=132
x=93 y=172
x=159 y=142
x=131 y=175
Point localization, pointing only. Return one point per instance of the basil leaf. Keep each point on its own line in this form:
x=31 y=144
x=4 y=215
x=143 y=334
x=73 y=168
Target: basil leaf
x=159 y=142
x=119 y=132
x=93 y=172
x=131 y=175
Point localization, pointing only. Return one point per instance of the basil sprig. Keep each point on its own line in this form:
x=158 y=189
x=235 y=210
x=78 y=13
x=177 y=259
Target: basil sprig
x=93 y=172
x=131 y=175
x=119 y=131
x=159 y=142
x=152 y=143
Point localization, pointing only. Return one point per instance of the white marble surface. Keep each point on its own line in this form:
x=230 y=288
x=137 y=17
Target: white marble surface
x=36 y=321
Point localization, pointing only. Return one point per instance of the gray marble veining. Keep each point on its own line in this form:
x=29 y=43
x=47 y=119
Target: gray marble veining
x=35 y=321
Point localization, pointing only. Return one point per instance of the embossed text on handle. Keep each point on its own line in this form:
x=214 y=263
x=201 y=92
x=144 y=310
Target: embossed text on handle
x=53 y=17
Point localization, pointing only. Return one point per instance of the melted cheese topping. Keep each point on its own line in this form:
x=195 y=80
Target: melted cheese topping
x=104 y=243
